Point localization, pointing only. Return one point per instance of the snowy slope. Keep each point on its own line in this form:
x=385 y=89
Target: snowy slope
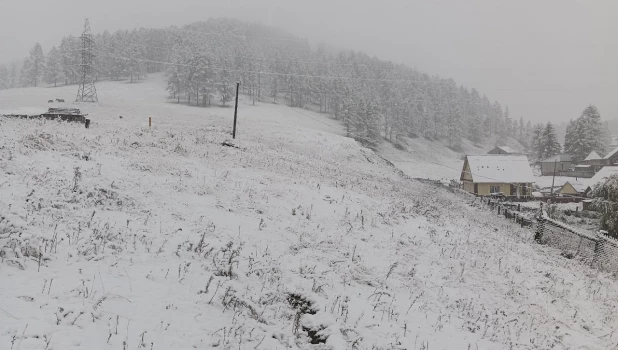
x=125 y=237
x=432 y=159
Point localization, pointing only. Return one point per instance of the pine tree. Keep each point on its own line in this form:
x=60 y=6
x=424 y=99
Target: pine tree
x=36 y=66
x=4 y=78
x=586 y=134
x=521 y=131
x=537 y=142
x=225 y=87
x=53 y=67
x=606 y=201
x=24 y=74
x=570 y=139
x=13 y=76
x=595 y=129
x=550 y=144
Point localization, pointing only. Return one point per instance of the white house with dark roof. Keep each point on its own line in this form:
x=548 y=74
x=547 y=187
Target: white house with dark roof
x=488 y=174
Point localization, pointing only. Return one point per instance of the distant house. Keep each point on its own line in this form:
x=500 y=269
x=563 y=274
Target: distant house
x=488 y=174
x=611 y=158
x=561 y=162
x=574 y=189
x=502 y=150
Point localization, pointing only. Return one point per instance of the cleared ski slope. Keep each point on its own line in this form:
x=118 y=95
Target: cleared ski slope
x=125 y=237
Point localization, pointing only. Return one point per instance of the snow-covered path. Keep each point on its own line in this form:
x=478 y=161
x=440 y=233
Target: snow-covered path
x=125 y=237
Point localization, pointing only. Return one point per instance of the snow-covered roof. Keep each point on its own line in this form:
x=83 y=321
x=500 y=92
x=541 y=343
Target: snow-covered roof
x=602 y=174
x=560 y=158
x=593 y=155
x=548 y=189
x=611 y=153
x=499 y=168
x=578 y=186
x=507 y=149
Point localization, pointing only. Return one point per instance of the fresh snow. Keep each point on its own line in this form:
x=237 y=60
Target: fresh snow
x=163 y=238
x=500 y=168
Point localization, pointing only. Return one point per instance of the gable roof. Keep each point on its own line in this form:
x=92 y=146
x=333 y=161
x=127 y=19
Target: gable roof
x=593 y=155
x=560 y=158
x=500 y=168
x=611 y=153
x=580 y=187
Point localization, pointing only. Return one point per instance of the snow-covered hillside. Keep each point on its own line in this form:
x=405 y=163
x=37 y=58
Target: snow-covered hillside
x=125 y=237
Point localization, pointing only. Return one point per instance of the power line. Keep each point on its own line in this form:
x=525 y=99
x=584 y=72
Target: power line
x=212 y=67
x=268 y=73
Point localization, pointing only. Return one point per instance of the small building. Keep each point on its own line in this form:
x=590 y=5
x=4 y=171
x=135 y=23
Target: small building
x=556 y=164
x=489 y=174
x=593 y=156
x=593 y=161
x=611 y=158
x=548 y=192
x=574 y=188
x=502 y=150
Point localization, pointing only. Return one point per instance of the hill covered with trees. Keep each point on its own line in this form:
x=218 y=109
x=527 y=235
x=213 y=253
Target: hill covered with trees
x=376 y=99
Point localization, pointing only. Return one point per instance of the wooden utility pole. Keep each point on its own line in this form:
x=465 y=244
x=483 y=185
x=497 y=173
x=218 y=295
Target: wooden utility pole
x=554 y=178
x=235 y=111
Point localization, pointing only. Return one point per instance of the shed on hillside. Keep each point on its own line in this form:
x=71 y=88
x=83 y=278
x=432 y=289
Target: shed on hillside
x=489 y=174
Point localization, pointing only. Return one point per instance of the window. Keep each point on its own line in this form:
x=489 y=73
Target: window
x=494 y=189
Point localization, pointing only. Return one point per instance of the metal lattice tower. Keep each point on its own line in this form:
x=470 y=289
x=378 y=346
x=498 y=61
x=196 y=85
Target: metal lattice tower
x=87 y=92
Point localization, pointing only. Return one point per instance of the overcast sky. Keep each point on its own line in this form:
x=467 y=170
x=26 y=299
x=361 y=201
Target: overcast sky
x=545 y=59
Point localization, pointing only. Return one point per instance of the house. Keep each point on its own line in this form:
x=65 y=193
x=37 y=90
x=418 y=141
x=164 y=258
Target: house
x=489 y=174
x=574 y=188
x=502 y=150
x=593 y=161
x=556 y=164
x=611 y=158
x=602 y=175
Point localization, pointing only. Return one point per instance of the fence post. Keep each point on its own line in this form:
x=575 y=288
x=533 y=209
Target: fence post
x=540 y=228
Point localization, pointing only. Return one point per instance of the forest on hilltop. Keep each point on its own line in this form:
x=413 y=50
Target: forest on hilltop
x=376 y=99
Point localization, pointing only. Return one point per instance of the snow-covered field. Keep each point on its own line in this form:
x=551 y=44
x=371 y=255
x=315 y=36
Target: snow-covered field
x=125 y=237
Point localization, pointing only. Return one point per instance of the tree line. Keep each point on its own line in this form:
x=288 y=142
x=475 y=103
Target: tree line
x=583 y=135
x=375 y=99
